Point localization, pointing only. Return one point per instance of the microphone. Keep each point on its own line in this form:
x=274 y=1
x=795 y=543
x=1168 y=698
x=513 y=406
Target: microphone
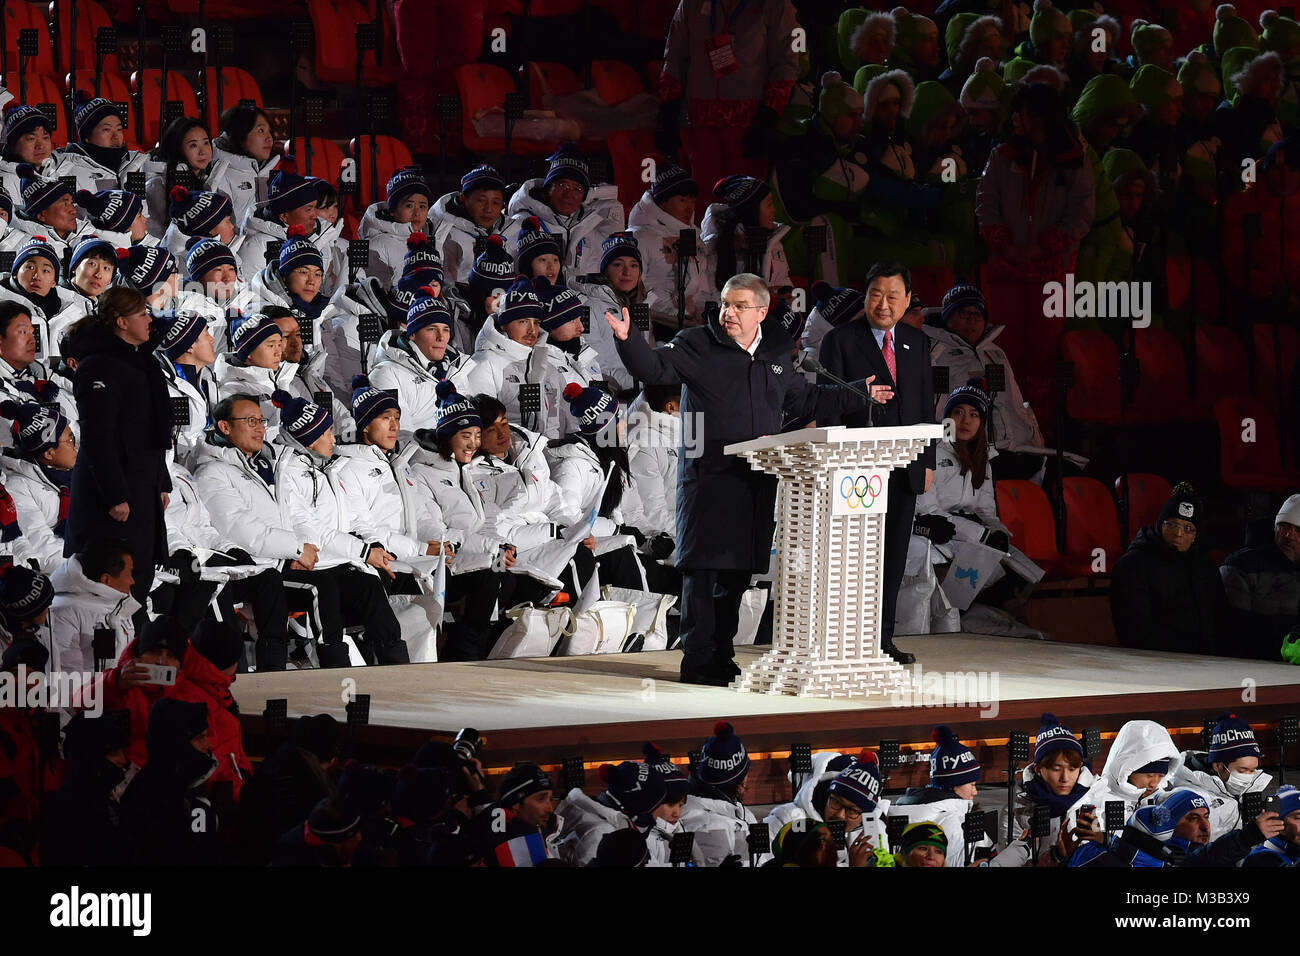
x=808 y=363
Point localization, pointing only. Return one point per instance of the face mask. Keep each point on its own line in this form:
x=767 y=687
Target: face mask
x=1239 y=783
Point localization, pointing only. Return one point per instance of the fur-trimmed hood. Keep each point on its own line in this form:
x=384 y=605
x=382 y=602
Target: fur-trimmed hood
x=906 y=88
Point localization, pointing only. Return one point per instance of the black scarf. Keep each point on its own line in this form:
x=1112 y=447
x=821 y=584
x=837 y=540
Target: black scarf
x=109 y=156
x=1039 y=792
x=48 y=303
x=571 y=347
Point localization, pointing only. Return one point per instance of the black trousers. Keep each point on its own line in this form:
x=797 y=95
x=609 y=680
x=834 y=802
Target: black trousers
x=190 y=602
x=898 y=532
x=349 y=597
x=710 y=614
x=617 y=567
x=469 y=638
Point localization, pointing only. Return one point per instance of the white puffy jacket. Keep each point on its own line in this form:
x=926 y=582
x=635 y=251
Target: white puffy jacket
x=586 y=821
x=13 y=185
x=945 y=809
x=562 y=369
x=1192 y=770
x=578 y=473
x=599 y=300
x=1138 y=743
x=400 y=365
x=342 y=332
x=36 y=500
x=521 y=504
x=216 y=314
x=501 y=365
x=80 y=606
x=655 y=231
x=450 y=485
x=218 y=179
x=454 y=235
x=316 y=497
x=772 y=269
x=387 y=242
x=189 y=524
x=67 y=298
x=35 y=371
x=581 y=234
x=93 y=175
x=387 y=497
x=234 y=377
x=246 y=179
x=259 y=232
x=653 y=439
x=721 y=828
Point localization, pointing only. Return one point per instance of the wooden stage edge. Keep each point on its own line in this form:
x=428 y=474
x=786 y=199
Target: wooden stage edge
x=603 y=708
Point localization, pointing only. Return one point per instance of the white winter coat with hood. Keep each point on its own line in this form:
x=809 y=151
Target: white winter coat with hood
x=259 y=232
x=343 y=336
x=1012 y=423
x=564 y=368
x=656 y=230
x=316 y=499
x=388 y=499
x=586 y=821
x=246 y=179
x=67 y=299
x=36 y=501
x=521 y=504
x=721 y=828
x=94 y=175
x=653 y=440
x=581 y=234
x=601 y=299
x=1192 y=769
x=501 y=365
x=454 y=235
x=215 y=313
x=461 y=508
x=1138 y=743
x=387 y=240
x=773 y=269
x=189 y=524
x=400 y=365
x=801 y=808
x=578 y=473
x=80 y=606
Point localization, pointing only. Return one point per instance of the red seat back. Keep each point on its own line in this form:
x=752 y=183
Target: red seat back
x=236 y=85
x=627 y=150
x=482 y=86
x=42 y=88
x=178 y=88
x=1161 y=393
x=1025 y=510
x=614 y=81
x=549 y=79
x=1221 y=366
x=1249 y=453
x=1091 y=521
x=390 y=155
x=1203 y=292
x=326 y=158
x=1147 y=494
x=27 y=16
x=90 y=17
x=1277 y=352
x=335 y=24
x=1094 y=396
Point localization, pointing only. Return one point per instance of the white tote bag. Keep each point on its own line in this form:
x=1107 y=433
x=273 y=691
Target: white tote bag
x=533 y=632
x=603 y=628
x=974 y=566
x=651 y=614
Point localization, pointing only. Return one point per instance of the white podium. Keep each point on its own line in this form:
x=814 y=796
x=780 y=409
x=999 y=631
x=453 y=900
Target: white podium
x=830 y=546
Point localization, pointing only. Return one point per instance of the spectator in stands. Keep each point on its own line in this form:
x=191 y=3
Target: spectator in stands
x=1165 y=595
x=210 y=664
x=524 y=808
x=247 y=147
x=462 y=219
x=732 y=100
x=28 y=771
x=313 y=496
x=668 y=815
x=1246 y=122
x=203 y=214
x=803 y=843
x=80 y=825
x=623 y=287
x=409 y=522
x=1223 y=774
x=28 y=139
x=492 y=274
x=38 y=475
x=366 y=296
x=120 y=482
x=33 y=282
x=387 y=225
x=1262 y=265
x=332 y=835
x=1152 y=44
x=166 y=809
x=185 y=353
x=25 y=597
x=184 y=157
x=504 y=353
x=152 y=271
x=715 y=810
x=414 y=361
x=633 y=791
x=948 y=797
x=291 y=201
x=195 y=545
x=1284 y=848
x=654 y=438
x=1136 y=765
x=90 y=271
x=309 y=380
x=1057 y=777
x=1154 y=137
x=92 y=594
x=100 y=159
x=661 y=215
x=117 y=216
x=969 y=37
x=923 y=843
x=580 y=213
x=848 y=789
x=741 y=234
x=212 y=287
x=966 y=345
x=1262 y=583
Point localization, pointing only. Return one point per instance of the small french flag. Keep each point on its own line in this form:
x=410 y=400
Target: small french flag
x=528 y=850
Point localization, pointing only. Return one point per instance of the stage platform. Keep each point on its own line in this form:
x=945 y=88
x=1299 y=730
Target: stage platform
x=603 y=707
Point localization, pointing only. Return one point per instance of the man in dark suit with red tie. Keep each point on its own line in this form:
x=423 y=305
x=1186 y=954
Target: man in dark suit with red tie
x=899 y=356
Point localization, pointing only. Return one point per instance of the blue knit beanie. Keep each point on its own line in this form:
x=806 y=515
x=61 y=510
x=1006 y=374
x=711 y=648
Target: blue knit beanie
x=534 y=240
x=196 y=212
x=113 y=210
x=618 y=245
x=859 y=782
x=837 y=306
x=298 y=252
x=455 y=411
x=723 y=760
x=39 y=194
x=407 y=181
x=1053 y=736
x=1231 y=738
x=677 y=783
x=305 y=421
x=368 y=402
x=251 y=333
x=520 y=303
x=425 y=311
x=204 y=255
x=560 y=305
x=637 y=788
x=37 y=246
x=952 y=763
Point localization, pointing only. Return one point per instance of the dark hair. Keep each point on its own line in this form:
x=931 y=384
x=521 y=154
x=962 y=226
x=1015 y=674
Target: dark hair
x=103 y=556
x=821 y=795
x=489 y=407
x=169 y=153
x=277 y=312
x=113 y=303
x=657 y=396
x=973 y=455
x=1070 y=756
x=886 y=268
x=326 y=195
x=236 y=123
x=225 y=409
x=10 y=310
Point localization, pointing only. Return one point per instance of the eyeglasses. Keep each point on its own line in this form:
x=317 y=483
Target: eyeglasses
x=1179 y=529
x=566 y=186
x=728 y=307
x=254 y=421
x=68 y=441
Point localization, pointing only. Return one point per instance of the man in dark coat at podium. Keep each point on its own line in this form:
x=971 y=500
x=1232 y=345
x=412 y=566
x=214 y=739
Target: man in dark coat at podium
x=739 y=380
x=899 y=356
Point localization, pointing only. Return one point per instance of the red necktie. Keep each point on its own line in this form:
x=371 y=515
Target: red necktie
x=890 y=362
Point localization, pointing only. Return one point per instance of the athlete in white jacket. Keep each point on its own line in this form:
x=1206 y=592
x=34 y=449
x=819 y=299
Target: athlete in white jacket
x=571 y=360
x=633 y=791
x=715 y=811
x=949 y=795
x=654 y=441
x=92 y=591
x=661 y=215
x=1136 y=766
x=1222 y=775
x=579 y=212
x=461 y=219
x=415 y=360
x=38 y=475
x=848 y=789
x=510 y=350
x=723 y=230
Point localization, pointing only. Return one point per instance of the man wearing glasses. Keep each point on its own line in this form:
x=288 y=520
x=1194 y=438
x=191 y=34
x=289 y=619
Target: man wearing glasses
x=1262 y=581
x=739 y=382
x=1165 y=595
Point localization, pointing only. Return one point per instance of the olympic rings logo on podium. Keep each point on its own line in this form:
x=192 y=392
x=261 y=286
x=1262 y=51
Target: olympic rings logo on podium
x=861 y=491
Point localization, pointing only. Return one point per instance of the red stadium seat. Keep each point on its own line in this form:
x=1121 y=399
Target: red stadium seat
x=1025 y=510
x=1277 y=350
x=1255 y=464
x=549 y=79
x=326 y=158
x=483 y=86
x=236 y=85
x=1178 y=280
x=391 y=155
x=1147 y=494
x=554 y=8
x=27 y=16
x=178 y=88
x=42 y=88
x=1091 y=522
x=90 y=17
x=335 y=24
x=1221 y=366
x=628 y=149
x=1161 y=394
x=614 y=81
x=1094 y=397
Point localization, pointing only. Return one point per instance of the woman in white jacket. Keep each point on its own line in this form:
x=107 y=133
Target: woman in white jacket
x=101 y=159
x=506 y=354
x=212 y=287
x=90 y=272
x=247 y=148
x=387 y=225
x=746 y=210
x=414 y=361
x=661 y=215
x=38 y=475
x=184 y=152
x=461 y=219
